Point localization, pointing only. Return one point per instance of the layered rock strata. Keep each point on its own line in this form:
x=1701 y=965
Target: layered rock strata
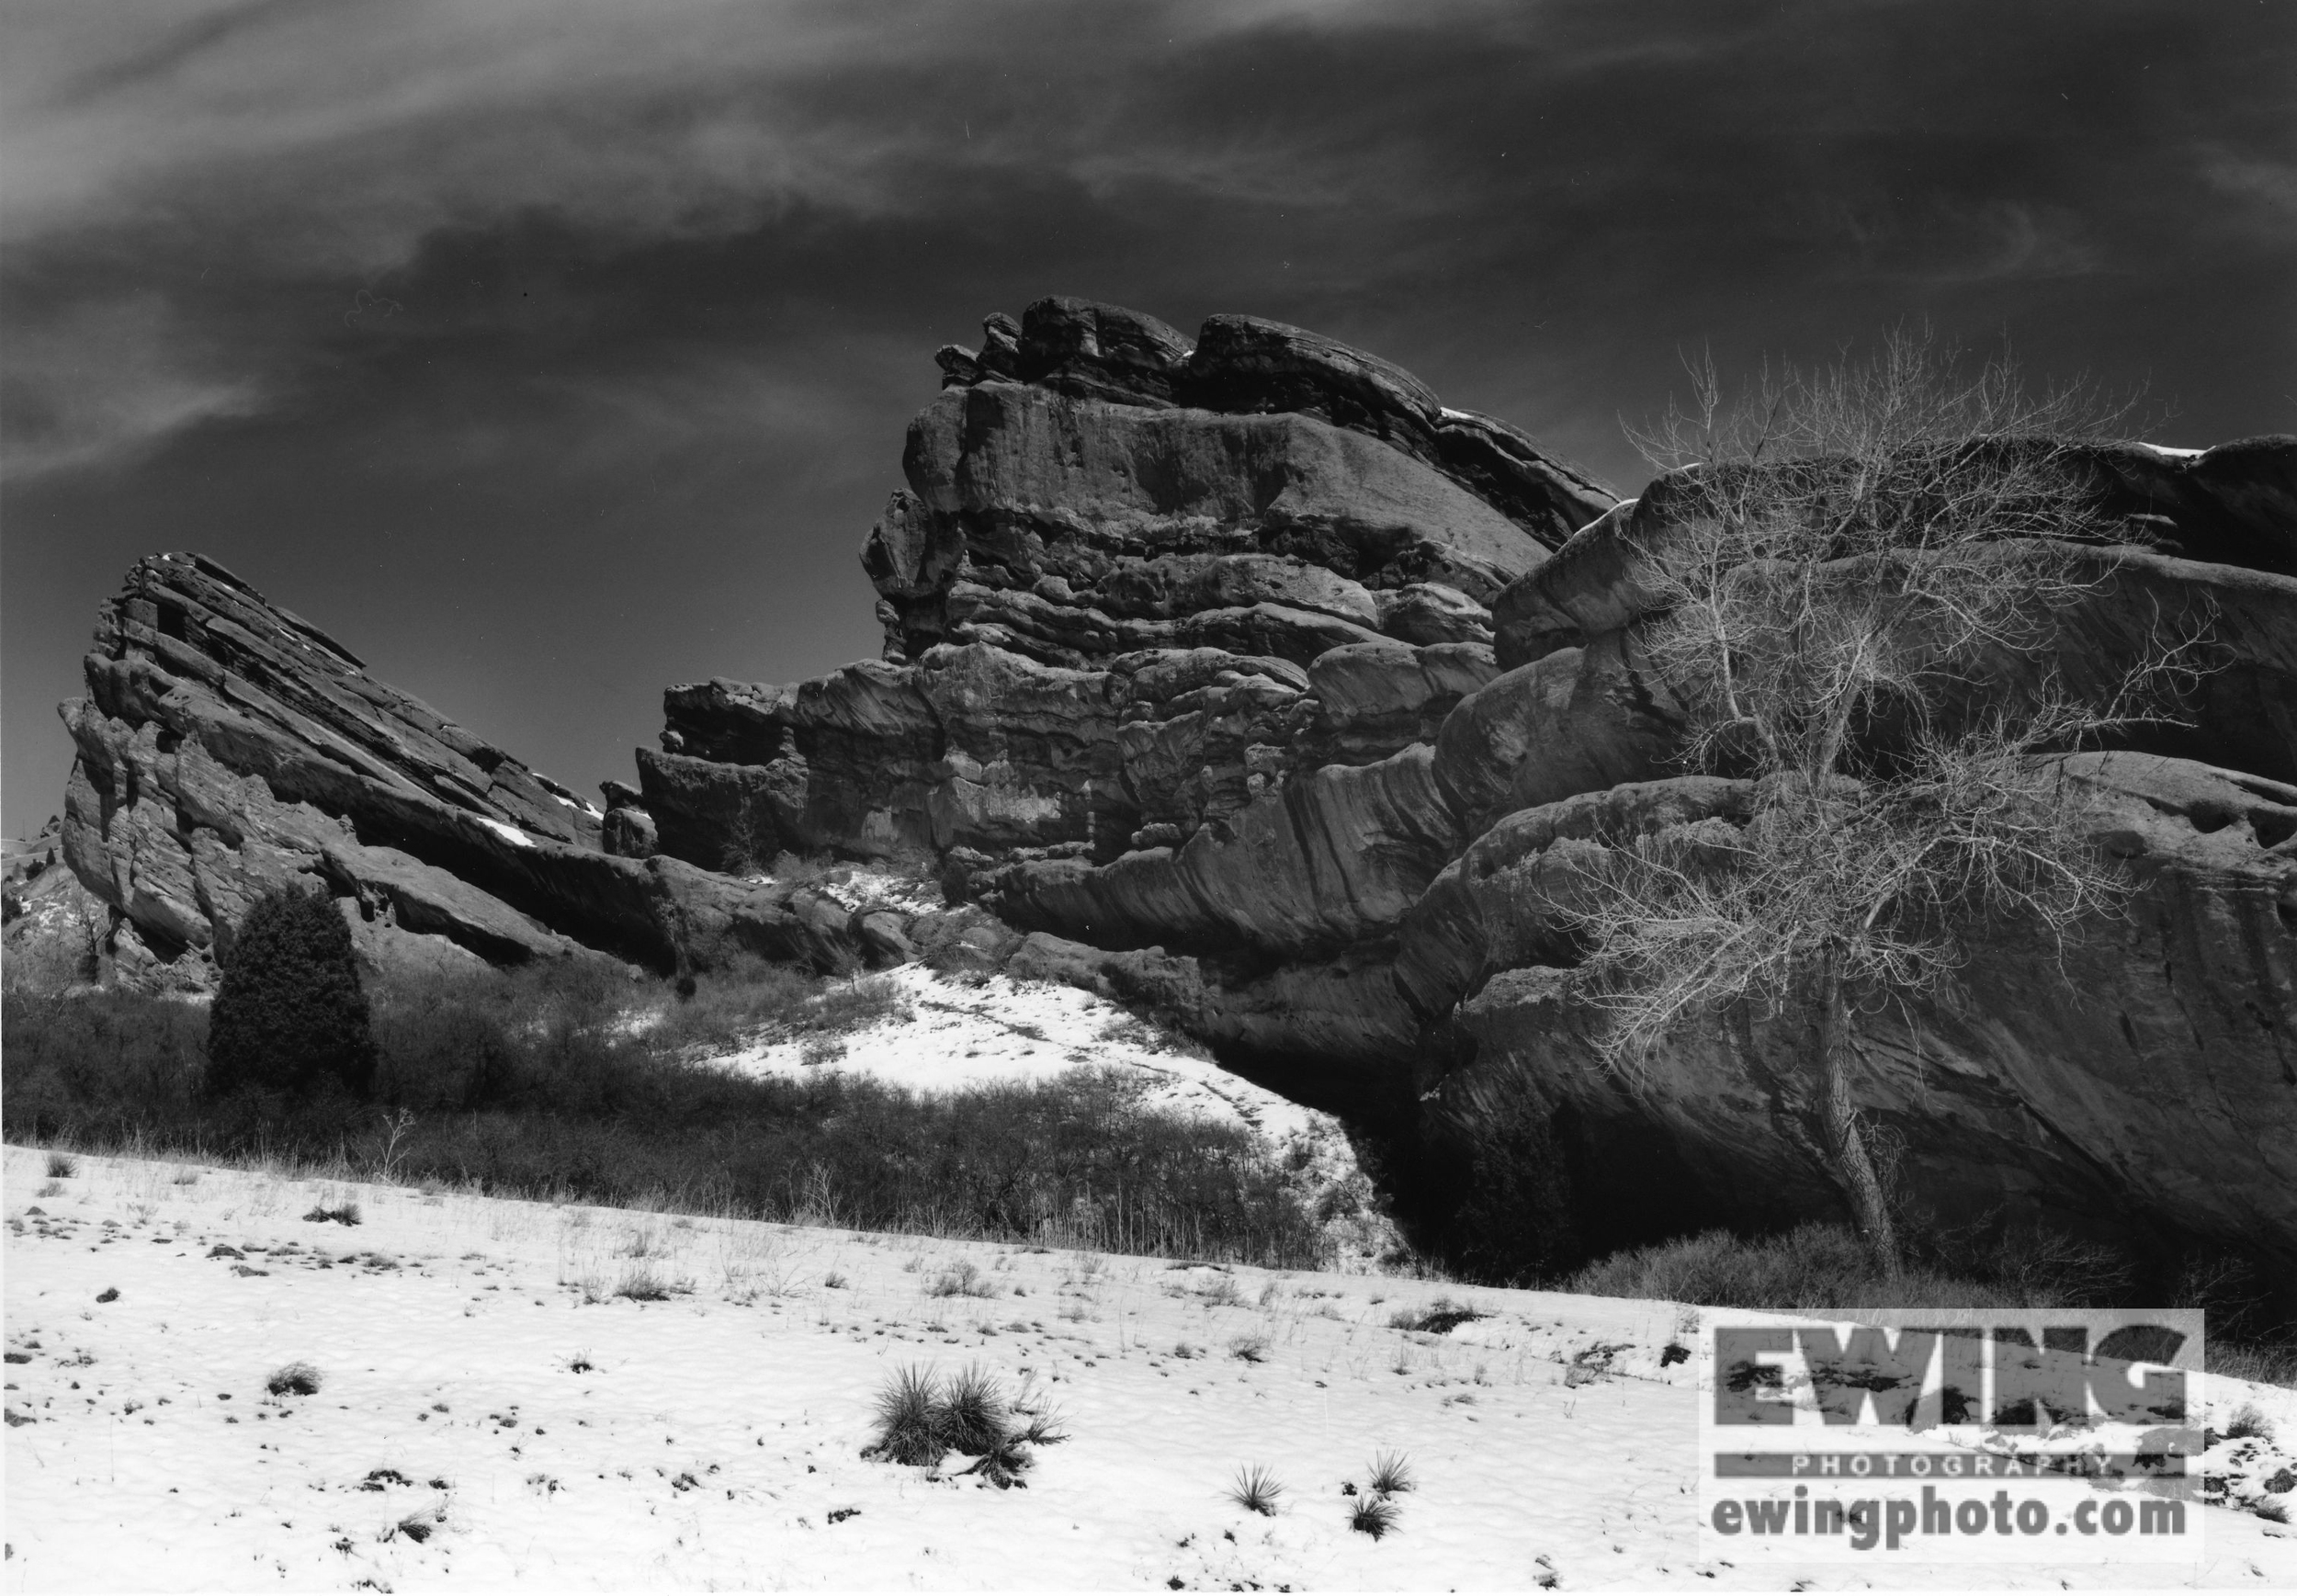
x=1239 y=676
x=226 y=746
x=1249 y=656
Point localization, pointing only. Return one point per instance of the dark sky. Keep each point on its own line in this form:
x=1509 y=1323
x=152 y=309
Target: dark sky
x=550 y=353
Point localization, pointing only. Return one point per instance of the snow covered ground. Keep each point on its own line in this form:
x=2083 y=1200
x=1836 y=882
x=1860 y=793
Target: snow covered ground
x=490 y=1412
x=957 y=1034
x=949 y=1033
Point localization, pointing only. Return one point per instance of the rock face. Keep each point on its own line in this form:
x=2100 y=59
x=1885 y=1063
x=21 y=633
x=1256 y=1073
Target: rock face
x=2168 y=1032
x=227 y=746
x=1242 y=677
x=53 y=927
x=1252 y=656
x=1133 y=588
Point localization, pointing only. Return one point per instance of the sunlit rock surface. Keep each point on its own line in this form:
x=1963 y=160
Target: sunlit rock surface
x=1239 y=677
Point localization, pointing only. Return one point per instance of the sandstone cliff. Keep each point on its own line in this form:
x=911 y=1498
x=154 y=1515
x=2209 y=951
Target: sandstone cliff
x=1241 y=676
x=1249 y=657
x=226 y=746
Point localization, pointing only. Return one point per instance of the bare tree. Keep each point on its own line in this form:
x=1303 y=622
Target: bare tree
x=1851 y=577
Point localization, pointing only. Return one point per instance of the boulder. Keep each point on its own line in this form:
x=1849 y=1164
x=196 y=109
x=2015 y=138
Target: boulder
x=2233 y=506
x=2145 y=1079
x=1250 y=365
x=1375 y=700
x=1502 y=466
x=1429 y=612
x=1573 y=721
x=1332 y=856
x=1094 y=351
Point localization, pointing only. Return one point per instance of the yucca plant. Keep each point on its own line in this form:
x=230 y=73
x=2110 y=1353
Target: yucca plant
x=1391 y=1476
x=909 y=1421
x=1256 y=1490
x=972 y=1412
x=1373 y=1516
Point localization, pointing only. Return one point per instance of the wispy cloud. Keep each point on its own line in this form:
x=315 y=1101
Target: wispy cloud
x=105 y=381
x=308 y=143
x=540 y=283
x=2267 y=185
x=1953 y=241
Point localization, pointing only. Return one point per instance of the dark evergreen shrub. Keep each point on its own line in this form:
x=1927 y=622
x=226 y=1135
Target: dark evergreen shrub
x=289 y=1017
x=1515 y=1216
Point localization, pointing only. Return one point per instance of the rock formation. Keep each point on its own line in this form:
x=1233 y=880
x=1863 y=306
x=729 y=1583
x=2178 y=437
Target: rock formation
x=1249 y=656
x=226 y=746
x=53 y=929
x=1240 y=676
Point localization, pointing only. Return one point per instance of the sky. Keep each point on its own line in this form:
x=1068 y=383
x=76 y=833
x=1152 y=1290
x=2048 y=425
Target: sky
x=550 y=352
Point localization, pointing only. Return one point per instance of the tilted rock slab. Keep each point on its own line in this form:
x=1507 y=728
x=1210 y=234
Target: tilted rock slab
x=226 y=747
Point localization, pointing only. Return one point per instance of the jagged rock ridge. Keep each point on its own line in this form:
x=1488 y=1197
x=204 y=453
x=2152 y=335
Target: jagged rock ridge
x=226 y=746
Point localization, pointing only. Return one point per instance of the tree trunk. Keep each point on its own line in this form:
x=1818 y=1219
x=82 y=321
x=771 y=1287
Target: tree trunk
x=1846 y=1136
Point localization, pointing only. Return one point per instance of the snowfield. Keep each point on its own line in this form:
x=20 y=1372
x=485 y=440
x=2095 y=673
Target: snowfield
x=948 y=1034
x=489 y=1411
x=958 y=1034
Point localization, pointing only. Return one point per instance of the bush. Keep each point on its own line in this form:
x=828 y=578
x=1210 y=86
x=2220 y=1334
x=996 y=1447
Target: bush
x=62 y=1166
x=2266 y=1362
x=577 y=1083
x=964 y=1280
x=296 y=1379
x=2247 y=1422
x=106 y=1057
x=1440 y=1317
x=1813 y=1266
x=1828 y=1266
x=1821 y=1267
x=920 y=1421
x=643 y=1283
x=289 y=1016
x=1511 y=1209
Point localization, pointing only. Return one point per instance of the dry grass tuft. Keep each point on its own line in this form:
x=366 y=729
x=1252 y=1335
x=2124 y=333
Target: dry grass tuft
x=961 y=1280
x=298 y=1379
x=1391 y=1476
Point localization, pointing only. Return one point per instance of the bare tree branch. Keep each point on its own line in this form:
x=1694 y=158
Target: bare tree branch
x=1841 y=565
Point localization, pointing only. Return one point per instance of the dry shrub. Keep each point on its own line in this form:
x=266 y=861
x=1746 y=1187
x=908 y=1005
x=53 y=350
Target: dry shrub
x=1828 y=1266
x=297 y=1379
